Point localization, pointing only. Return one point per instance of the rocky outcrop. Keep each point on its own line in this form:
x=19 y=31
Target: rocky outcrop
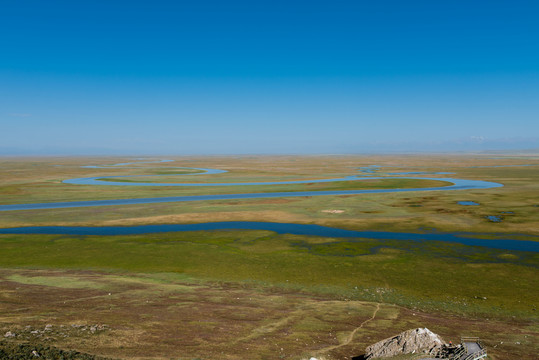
x=413 y=341
x=27 y=351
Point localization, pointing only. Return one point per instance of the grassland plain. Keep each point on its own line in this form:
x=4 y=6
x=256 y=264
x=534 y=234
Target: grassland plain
x=310 y=292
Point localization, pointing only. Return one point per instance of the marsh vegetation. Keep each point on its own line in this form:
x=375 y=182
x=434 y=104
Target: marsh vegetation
x=240 y=293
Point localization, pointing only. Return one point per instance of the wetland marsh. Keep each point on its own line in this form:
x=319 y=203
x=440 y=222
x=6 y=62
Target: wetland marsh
x=257 y=291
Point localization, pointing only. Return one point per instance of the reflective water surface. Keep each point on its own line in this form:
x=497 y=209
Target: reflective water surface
x=281 y=228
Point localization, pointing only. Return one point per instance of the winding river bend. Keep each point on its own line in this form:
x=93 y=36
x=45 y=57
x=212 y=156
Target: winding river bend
x=369 y=173
x=280 y=228
x=457 y=184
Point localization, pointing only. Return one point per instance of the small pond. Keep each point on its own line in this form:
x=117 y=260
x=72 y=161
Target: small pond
x=467 y=203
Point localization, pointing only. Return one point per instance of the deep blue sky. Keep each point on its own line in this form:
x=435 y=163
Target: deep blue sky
x=225 y=77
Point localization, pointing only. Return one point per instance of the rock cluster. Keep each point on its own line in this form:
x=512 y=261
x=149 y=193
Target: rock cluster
x=16 y=351
x=51 y=332
x=413 y=341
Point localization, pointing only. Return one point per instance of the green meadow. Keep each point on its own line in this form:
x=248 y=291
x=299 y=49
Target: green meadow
x=430 y=276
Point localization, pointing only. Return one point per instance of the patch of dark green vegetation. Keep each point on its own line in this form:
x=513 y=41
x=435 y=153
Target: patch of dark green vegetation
x=158 y=173
x=176 y=172
x=339 y=248
x=363 y=184
x=337 y=185
x=438 y=249
x=28 y=351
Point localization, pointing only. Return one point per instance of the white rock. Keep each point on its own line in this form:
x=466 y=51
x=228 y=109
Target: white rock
x=410 y=341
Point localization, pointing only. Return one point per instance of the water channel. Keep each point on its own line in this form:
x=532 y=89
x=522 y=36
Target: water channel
x=280 y=228
x=298 y=229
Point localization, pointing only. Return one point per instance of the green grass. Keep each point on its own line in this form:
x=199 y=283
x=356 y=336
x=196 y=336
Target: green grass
x=62 y=282
x=55 y=191
x=163 y=174
x=431 y=276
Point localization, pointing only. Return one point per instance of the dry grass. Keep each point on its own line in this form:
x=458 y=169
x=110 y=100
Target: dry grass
x=164 y=316
x=32 y=180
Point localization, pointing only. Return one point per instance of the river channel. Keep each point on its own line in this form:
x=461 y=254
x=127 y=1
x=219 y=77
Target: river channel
x=280 y=228
x=457 y=184
x=297 y=229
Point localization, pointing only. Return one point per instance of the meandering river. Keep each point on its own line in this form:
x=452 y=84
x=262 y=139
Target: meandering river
x=299 y=229
x=457 y=184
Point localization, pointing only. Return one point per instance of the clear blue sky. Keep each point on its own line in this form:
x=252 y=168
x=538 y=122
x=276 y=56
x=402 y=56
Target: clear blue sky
x=235 y=77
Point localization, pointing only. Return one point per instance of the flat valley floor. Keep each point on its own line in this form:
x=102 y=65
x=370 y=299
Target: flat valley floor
x=255 y=294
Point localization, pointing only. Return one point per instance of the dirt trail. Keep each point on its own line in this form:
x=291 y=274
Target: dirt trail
x=350 y=336
x=272 y=327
